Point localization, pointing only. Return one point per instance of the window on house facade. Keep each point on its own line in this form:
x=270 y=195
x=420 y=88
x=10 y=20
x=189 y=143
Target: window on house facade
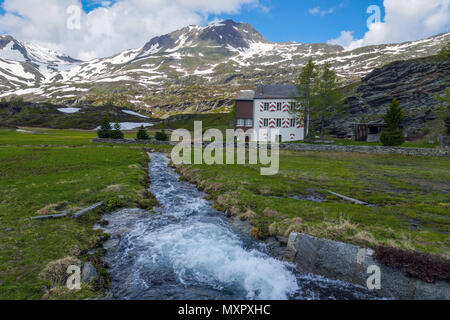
x=249 y=123
x=266 y=122
x=240 y=122
x=292 y=123
x=266 y=106
x=279 y=105
x=278 y=123
x=293 y=105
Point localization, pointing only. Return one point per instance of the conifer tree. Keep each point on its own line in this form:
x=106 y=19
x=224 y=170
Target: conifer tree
x=142 y=134
x=305 y=94
x=105 y=129
x=327 y=96
x=117 y=132
x=392 y=135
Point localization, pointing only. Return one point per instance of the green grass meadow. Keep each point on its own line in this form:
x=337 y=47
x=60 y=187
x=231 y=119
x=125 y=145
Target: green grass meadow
x=61 y=169
x=409 y=197
x=56 y=168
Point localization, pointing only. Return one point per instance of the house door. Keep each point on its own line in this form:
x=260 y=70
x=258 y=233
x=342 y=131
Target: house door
x=278 y=138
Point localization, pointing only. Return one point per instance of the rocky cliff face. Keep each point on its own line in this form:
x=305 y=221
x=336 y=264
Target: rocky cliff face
x=414 y=83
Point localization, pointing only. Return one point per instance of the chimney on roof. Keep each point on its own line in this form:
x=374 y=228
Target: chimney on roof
x=261 y=85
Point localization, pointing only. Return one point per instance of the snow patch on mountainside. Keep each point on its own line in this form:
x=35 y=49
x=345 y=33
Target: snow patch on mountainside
x=9 y=53
x=215 y=54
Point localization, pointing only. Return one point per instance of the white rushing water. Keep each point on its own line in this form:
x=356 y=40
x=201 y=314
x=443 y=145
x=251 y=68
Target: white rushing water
x=186 y=250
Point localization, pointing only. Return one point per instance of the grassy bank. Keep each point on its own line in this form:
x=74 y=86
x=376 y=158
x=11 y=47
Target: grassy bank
x=409 y=196
x=53 y=171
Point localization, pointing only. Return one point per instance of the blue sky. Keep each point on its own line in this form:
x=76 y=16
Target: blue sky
x=290 y=20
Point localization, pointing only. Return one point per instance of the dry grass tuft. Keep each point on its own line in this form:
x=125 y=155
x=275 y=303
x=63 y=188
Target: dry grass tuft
x=248 y=215
x=227 y=200
x=365 y=238
x=256 y=234
x=209 y=187
x=295 y=225
x=114 y=188
x=343 y=228
x=56 y=271
x=265 y=191
x=52 y=208
x=135 y=166
x=270 y=212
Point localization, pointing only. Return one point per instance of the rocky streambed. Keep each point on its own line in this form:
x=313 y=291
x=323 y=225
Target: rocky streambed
x=187 y=250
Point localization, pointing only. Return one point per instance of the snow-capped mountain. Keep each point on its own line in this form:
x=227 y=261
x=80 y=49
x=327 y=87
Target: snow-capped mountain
x=28 y=65
x=215 y=56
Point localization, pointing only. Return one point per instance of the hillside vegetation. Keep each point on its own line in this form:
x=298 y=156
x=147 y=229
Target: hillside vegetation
x=46 y=115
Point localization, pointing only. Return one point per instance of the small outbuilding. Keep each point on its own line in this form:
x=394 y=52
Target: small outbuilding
x=369 y=132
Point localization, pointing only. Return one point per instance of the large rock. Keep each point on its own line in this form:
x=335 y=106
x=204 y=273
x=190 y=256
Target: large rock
x=347 y=262
x=89 y=273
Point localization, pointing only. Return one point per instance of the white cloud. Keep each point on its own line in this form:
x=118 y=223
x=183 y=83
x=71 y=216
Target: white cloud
x=324 y=12
x=405 y=20
x=110 y=28
x=321 y=12
x=345 y=39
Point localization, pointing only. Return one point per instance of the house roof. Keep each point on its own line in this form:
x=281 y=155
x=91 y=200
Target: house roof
x=245 y=95
x=275 y=91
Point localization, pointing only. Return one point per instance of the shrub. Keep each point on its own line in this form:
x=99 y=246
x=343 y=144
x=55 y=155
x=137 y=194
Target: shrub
x=392 y=135
x=113 y=203
x=162 y=136
x=105 y=129
x=142 y=134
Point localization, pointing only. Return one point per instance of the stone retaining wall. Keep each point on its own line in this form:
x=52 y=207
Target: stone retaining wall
x=134 y=141
x=346 y=262
x=313 y=147
x=367 y=149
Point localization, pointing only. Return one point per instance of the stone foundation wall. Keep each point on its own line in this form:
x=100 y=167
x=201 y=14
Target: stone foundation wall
x=367 y=149
x=313 y=147
x=346 y=262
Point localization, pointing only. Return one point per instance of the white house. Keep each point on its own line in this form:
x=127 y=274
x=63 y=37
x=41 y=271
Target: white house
x=267 y=109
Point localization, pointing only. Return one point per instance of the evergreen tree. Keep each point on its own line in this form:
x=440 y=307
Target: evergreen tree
x=117 y=133
x=105 y=129
x=326 y=98
x=392 y=135
x=305 y=94
x=142 y=134
x=162 y=136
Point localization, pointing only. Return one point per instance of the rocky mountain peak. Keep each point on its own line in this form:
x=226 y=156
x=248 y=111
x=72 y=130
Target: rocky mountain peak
x=227 y=33
x=12 y=49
